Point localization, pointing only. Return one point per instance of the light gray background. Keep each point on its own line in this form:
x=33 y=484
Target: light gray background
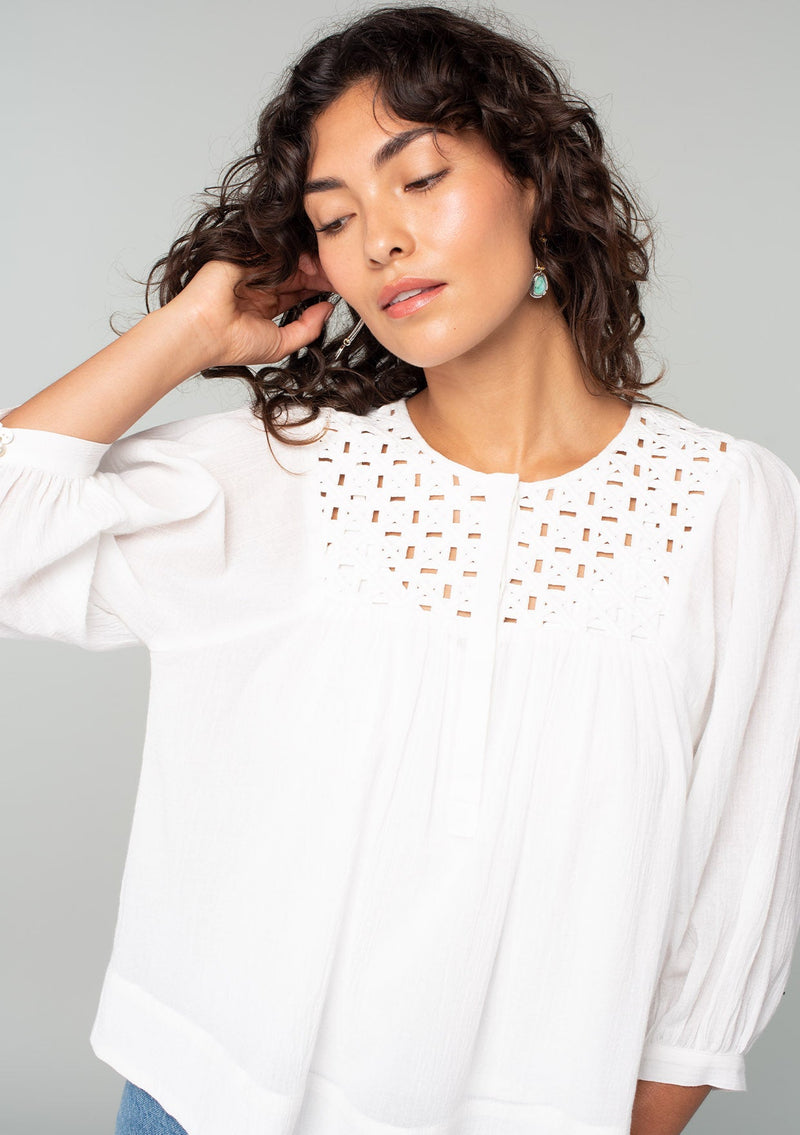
x=114 y=114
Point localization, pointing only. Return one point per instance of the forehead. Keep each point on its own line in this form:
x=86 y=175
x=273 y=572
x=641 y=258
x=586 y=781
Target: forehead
x=353 y=110
x=353 y=128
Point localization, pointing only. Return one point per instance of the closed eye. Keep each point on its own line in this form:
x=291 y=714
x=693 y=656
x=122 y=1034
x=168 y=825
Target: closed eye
x=422 y=186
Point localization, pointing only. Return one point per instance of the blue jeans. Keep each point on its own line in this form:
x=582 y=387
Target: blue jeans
x=140 y=1114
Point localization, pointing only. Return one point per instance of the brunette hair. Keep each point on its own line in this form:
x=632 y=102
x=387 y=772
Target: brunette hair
x=431 y=65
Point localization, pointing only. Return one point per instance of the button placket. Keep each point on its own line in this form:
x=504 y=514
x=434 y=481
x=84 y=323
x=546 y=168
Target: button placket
x=466 y=789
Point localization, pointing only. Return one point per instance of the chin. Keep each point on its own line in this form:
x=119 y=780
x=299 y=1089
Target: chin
x=425 y=359
x=453 y=348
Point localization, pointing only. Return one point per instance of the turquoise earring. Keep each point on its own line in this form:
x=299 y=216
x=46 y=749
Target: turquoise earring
x=539 y=283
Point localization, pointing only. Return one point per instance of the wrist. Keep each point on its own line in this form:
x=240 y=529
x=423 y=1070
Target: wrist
x=190 y=333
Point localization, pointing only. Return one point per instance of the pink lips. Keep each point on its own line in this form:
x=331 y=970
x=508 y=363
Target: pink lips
x=406 y=307
x=404 y=284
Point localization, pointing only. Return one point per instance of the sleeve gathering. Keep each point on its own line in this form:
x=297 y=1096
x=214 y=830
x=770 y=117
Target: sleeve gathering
x=69 y=505
x=736 y=912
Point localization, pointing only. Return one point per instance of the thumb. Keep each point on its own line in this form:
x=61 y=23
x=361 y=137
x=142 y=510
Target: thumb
x=303 y=330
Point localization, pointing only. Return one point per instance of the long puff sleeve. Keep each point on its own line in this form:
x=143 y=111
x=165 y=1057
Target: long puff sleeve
x=735 y=920
x=67 y=505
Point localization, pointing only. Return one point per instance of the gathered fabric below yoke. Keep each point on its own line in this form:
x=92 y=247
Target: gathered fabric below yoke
x=465 y=801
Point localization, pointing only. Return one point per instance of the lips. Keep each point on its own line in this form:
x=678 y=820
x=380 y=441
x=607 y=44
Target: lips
x=409 y=295
x=420 y=299
x=406 y=284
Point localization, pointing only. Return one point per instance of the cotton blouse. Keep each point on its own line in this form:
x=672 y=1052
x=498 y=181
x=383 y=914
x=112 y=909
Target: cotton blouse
x=465 y=801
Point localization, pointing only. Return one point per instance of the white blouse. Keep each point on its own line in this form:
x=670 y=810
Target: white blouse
x=465 y=802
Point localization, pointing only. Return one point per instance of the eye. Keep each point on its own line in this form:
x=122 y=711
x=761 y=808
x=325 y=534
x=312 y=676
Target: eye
x=425 y=183
x=422 y=186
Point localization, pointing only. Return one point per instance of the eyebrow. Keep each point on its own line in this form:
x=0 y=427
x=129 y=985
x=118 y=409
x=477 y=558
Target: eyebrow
x=381 y=156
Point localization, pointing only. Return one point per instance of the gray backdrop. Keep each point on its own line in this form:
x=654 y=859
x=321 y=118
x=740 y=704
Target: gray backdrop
x=113 y=116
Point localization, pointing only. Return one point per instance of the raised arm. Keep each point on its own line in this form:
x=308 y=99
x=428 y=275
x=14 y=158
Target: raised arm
x=89 y=518
x=205 y=325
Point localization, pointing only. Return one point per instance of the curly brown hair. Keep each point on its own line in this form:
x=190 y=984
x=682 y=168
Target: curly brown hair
x=431 y=65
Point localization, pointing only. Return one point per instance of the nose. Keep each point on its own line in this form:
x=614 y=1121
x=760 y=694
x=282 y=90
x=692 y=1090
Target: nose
x=386 y=236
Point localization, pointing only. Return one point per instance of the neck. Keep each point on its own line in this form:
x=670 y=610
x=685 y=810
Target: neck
x=520 y=402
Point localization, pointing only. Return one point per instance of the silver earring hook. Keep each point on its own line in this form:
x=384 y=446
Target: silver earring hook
x=346 y=342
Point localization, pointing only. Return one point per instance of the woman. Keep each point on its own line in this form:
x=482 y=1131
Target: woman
x=470 y=785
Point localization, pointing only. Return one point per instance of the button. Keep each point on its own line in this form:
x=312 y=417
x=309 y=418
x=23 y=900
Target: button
x=6 y=436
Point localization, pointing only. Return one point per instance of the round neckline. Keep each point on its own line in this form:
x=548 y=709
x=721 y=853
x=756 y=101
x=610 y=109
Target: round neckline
x=465 y=471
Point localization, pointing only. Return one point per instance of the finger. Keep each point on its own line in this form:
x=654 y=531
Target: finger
x=305 y=298
x=301 y=331
x=285 y=301
x=307 y=276
x=305 y=285
x=310 y=266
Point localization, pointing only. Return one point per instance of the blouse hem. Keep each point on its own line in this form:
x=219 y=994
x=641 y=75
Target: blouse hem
x=199 y=1085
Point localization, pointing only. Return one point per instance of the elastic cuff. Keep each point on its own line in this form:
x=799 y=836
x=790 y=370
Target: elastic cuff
x=671 y=1065
x=49 y=452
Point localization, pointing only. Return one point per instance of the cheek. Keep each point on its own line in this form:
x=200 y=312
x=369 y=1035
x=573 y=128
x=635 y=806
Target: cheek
x=458 y=223
x=326 y=262
x=335 y=266
x=483 y=227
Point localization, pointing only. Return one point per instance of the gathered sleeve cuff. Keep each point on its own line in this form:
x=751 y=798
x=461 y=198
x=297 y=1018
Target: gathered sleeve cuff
x=65 y=505
x=736 y=912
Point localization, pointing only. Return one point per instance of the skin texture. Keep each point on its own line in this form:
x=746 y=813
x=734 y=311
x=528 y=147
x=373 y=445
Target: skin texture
x=664 y=1109
x=506 y=387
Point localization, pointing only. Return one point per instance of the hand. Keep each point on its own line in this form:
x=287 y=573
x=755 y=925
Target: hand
x=238 y=329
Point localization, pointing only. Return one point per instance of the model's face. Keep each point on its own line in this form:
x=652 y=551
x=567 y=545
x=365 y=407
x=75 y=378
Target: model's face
x=467 y=225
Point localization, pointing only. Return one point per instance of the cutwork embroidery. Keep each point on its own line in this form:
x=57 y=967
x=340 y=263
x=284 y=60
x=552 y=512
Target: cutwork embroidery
x=592 y=549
